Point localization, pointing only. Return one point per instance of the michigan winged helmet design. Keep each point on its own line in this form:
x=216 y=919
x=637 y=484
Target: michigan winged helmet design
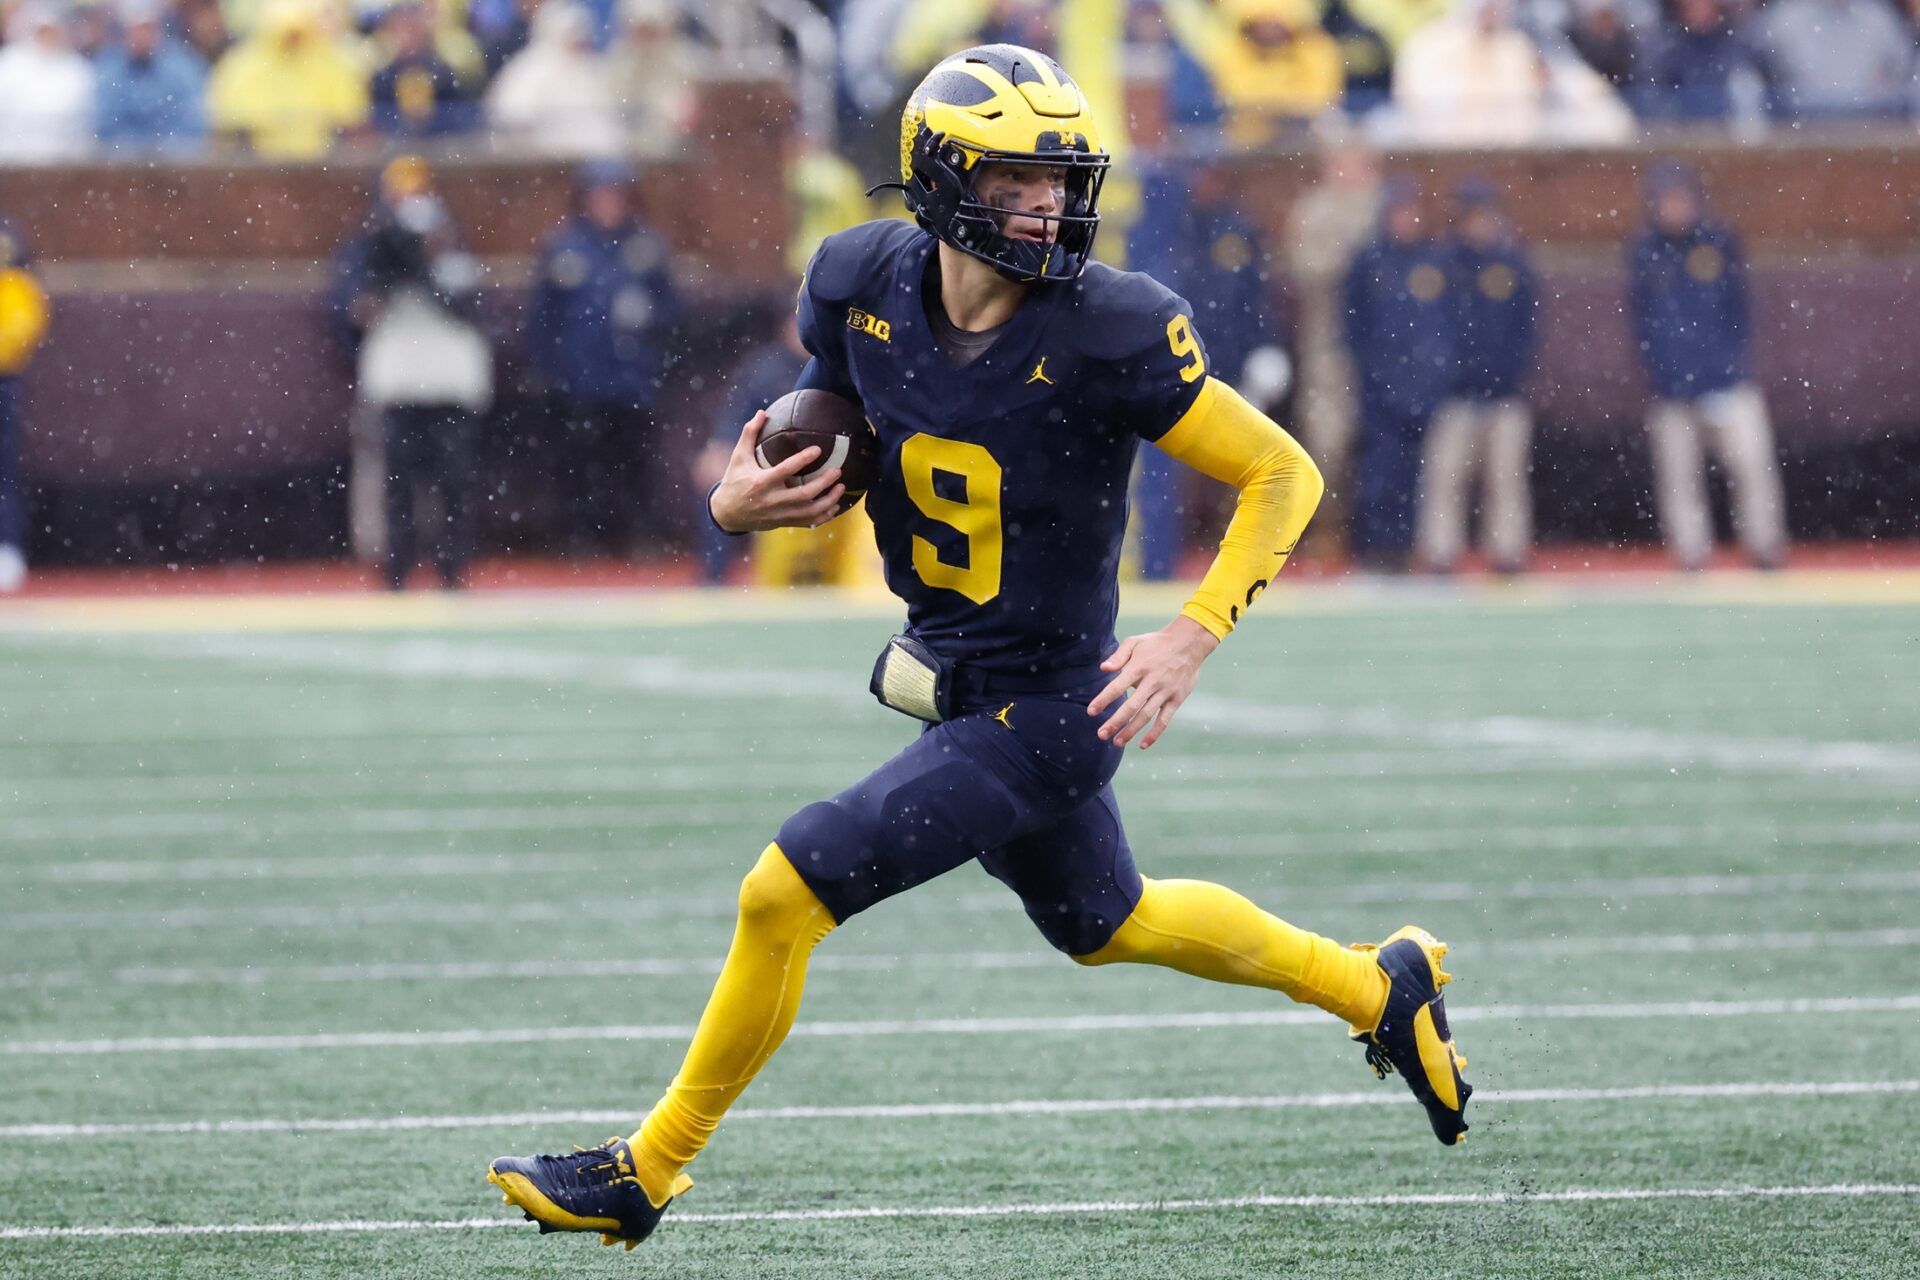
x=1002 y=104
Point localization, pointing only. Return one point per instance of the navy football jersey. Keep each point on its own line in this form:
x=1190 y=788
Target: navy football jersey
x=1001 y=502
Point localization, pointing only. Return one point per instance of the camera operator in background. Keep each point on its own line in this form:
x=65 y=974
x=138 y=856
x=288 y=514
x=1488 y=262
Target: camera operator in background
x=23 y=323
x=424 y=365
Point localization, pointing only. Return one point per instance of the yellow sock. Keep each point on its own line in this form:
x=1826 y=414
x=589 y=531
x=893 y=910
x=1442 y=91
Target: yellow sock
x=751 y=1009
x=1212 y=932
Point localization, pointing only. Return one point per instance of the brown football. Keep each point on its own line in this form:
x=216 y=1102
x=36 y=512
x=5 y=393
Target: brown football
x=845 y=438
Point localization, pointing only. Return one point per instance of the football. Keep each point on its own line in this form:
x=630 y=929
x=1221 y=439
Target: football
x=845 y=438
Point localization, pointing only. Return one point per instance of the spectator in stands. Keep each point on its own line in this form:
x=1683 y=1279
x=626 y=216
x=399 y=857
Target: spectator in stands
x=291 y=88
x=555 y=95
x=1838 y=59
x=201 y=26
x=826 y=194
x=1271 y=64
x=1327 y=226
x=425 y=364
x=150 y=86
x=1706 y=68
x=417 y=93
x=598 y=329
x=1192 y=239
x=1399 y=323
x=1687 y=290
x=90 y=28
x=1476 y=79
x=1398 y=20
x=1486 y=425
x=46 y=90
x=1366 y=59
x=505 y=32
x=651 y=66
x=929 y=32
x=448 y=38
x=1601 y=34
x=23 y=323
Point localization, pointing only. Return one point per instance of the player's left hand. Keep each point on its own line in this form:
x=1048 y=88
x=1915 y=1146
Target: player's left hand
x=1161 y=668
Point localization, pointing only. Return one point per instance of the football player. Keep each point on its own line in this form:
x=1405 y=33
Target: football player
x=1009 y=379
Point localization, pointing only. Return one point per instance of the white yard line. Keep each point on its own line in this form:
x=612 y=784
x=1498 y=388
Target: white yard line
x=1535 y=837
x=766 y=809
x=657 y=905
x=1564 y=739
x=487 y=970
x=665 y=966
x=938 y=1110
x=1072 y=1023
x=1150 y=848
x=1576 y=1195
x=272 y=782
x=670 y=676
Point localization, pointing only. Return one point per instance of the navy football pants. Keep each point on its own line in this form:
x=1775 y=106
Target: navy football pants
x=1026 y=793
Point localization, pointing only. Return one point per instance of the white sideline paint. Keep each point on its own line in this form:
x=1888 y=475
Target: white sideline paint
x=938 y=1110
x=661 y=967
x=1437 y=1199
x=658 y=905
x=945 y=1026
x=1573 y=740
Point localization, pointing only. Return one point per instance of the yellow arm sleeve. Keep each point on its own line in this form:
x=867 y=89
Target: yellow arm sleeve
x=1224 y=437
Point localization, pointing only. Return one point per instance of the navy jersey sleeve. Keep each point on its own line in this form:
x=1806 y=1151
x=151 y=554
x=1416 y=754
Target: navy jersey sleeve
x=1143 y=333
x=844 y=270
x=825 y=341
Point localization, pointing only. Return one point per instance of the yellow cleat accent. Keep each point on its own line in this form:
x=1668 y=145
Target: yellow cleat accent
x=1411 y=1036
x=530 y=1198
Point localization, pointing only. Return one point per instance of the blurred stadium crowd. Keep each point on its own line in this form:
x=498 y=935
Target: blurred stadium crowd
x=1413 y=323
x=291 y=79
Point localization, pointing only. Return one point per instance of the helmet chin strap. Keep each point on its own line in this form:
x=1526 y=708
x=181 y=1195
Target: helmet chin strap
x=885 y=186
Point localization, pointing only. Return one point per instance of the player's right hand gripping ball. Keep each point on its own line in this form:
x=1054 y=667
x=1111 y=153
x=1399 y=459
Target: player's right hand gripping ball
x=844 y=437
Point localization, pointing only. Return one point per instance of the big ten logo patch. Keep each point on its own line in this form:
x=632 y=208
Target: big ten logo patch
x=869 y=324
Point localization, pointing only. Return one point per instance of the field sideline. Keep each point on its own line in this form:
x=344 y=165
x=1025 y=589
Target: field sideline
x=313 y=904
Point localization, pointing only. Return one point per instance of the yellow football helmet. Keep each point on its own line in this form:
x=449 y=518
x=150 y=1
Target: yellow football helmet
x=1001 y=103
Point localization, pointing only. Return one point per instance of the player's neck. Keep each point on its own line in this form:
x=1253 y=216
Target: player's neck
x=974 y=295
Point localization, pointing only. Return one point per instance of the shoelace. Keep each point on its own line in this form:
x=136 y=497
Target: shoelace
x=578 y=1168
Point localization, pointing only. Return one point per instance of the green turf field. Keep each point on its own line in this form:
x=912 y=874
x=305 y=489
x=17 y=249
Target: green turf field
x=299 y=927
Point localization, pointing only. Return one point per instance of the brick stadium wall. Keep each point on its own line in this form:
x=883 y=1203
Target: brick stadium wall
x=187 y=349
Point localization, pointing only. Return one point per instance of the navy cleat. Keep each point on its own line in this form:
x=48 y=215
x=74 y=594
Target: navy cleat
x=1412 y=1036
x=595 y=1190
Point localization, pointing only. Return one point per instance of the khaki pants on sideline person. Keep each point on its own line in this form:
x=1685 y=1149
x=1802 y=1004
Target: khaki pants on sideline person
x=1736 y=419
x=1492 y=437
